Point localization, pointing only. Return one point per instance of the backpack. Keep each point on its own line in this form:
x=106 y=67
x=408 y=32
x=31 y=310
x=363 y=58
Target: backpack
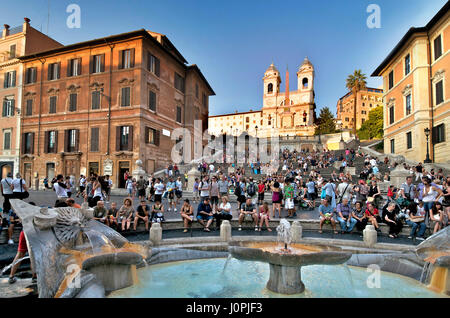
x=251 y=190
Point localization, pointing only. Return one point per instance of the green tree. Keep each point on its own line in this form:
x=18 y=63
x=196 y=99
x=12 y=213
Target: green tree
x=373 y=127
x=355 y=82
x=325 y=123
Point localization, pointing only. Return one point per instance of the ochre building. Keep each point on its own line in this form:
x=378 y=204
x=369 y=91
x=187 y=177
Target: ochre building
x=98 y=106
x=15 y=42
x=416 y=92
x=289 y=113
x=367 y=100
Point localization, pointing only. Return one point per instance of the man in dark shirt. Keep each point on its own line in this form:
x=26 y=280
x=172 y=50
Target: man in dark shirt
x=248 y=211
x=204 y=213
x=142 y=213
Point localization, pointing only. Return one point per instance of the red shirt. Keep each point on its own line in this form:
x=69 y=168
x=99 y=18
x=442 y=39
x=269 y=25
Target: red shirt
x=261 y=188
x=375 y=212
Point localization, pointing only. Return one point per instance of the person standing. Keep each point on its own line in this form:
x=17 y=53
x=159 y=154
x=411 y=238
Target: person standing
x=288 y=193
x=214 y=193
x=204 y=188
x=82 y=185
x=159 y=190
x=109 y=185
x=223 y=186
x=261 y=192
x=178 y=190
x=195 y=190
x=20 y=189
x=140 y=185
x=7 y=192
x=171 y=187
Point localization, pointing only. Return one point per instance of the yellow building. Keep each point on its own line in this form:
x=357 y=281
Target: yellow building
x=416 y=91
x=289 y=113
x=367 y=100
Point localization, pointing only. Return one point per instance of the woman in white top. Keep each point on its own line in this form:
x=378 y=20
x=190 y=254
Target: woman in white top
x=431 y=194
x=223 y=211
x=19 y=187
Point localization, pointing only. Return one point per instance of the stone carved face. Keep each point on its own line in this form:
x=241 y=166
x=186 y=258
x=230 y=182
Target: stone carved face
x=69 y=224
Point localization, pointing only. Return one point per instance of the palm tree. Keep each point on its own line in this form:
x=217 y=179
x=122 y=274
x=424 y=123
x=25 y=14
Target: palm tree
x=355 y=83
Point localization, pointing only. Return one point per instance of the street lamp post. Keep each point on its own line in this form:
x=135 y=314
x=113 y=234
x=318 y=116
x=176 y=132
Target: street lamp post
x=427 y=134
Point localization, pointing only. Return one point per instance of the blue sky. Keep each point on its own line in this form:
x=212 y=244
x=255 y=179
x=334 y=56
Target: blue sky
x=233 y=42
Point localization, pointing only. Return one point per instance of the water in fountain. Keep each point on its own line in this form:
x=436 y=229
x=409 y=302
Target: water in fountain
x=226 y=264
x=348 y=273
x=98 y=241
x=13 y=263
x=284 y=234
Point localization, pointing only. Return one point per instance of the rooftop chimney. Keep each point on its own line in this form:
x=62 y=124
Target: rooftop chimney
x=26 y=24
x=5 y=30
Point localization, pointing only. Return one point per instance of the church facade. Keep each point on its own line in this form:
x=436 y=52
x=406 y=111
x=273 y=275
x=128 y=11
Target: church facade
x=289 y=113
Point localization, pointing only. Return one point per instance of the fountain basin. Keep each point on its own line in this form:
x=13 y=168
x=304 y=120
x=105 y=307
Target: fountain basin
x=115 y=270
x=285 y=266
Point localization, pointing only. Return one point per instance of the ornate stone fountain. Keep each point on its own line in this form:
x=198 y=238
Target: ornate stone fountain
x=286 y=261
x=75 y=256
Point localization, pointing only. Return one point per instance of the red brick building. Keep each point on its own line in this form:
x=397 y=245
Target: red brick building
x=100 y=105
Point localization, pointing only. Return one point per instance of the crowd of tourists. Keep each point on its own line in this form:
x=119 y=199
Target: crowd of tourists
x=342 y=199
x=422 y=202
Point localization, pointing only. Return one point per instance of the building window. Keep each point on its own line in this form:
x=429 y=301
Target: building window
x=71 y=143
x=439 y=134
x=50 y=141
x=408 y=140
x=8 y=108
x=9 y=79
x=95 y=139
x=153 y=64
x=30 y=75
x=305 y=83
x=346 y=119
x=391 y=79
x=95 y=99
x=151 y=136
x=125 y=97
x=72 y=102
x=152 y=101
x=53 y=71
x=98 y=63
x=28 y=143
x=407 y=64
x=205 y=100
x=408 y=104
x=7 y=140
x=74 y=67
x=125 y=138
x=29 y=108
x=392 y=145
x=179 y=82
x=12 y=51
x=126 y=59
x=437 y=48
x=439 y=92
x=391 y=115
x=270 y=88
x=178 y=114
x=363 y=120
x=52 y=108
